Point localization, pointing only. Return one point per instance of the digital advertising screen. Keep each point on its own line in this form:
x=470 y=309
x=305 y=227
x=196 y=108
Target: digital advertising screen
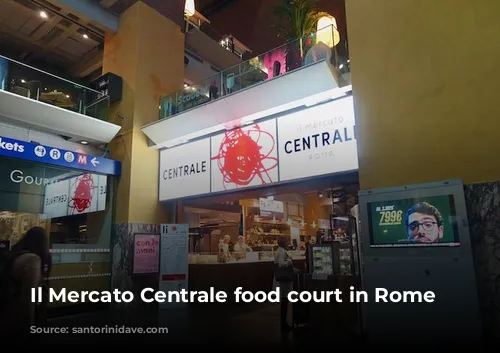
x=423 y=222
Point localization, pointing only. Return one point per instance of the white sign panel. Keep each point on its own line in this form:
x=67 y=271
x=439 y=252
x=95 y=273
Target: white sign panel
x=174 y=260
x=56 y=198
x=78 y=195
x=245 y=157
x=317 y=141
x=271 y=208
x=185 y=170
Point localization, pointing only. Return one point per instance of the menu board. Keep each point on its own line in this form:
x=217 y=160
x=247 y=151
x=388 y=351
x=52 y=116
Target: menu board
x=174 y=261
x=423 y=221
x=271 y=208
x=146 y=253
x=322 y=259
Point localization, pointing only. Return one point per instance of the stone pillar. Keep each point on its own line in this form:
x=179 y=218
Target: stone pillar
x=148 y=53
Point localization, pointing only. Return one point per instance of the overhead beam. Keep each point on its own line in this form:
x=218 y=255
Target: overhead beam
x=90 y=62
x=107 y=3
x=91 y=11
x=216 y=6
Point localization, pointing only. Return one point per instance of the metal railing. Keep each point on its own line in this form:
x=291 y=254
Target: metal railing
x=36 y=84
x=291 y=56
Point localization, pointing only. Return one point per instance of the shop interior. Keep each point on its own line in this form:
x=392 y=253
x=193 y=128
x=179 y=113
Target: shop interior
x=246 y=226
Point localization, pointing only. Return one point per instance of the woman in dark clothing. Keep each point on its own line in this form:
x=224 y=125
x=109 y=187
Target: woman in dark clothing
x=26 y=263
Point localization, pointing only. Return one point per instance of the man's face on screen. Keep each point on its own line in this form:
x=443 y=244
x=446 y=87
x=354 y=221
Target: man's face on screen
x=424 y=228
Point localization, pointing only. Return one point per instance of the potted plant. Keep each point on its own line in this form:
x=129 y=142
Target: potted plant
x=296 y=19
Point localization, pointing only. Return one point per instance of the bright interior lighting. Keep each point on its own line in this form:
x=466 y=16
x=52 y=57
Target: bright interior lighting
x=85 y=36
x=67 y=96
x=43 y=14
x=189 y=8
x=23 y=80
x=327 y=31
x=185 y=85
x=84 y=142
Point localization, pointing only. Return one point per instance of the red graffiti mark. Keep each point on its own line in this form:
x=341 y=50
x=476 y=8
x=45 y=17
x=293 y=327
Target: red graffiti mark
x=241 y=156
x=82 y=198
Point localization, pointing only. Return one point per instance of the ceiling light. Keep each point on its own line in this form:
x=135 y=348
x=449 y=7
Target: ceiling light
x=85 y=36
x=23 y=80
x=67 y=96
x=43 y=14
x=84 y=142
x=185 y=85
x=189 y=8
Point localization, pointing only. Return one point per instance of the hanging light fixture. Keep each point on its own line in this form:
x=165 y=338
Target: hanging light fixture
x=328 y=33
x=189 y=8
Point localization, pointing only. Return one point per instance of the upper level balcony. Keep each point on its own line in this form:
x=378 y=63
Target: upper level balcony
x=34 y=98
x=203 y=40
x=306 y=71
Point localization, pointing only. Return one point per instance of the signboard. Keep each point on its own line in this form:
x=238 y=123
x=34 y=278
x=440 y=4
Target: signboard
x=423 y=221
x=185 y=170
x=311 y=142
x=271 y=208
x=146 y=253
x=317 y=141
x=174 y=261
x=245 y=157
x=78 y=195
x=55 y=156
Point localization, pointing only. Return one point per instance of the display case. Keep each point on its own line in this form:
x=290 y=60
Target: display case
x=247 y=257
x=343 y=258
x=321 y=259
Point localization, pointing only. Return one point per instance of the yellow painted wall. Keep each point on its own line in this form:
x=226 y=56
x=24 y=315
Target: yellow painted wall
x=148 y=52
x=426 y=80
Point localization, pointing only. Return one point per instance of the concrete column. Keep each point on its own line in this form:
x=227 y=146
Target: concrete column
x=148 y=53
x=425 y=76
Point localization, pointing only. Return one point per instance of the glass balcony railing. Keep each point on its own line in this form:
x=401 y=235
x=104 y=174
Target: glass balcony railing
x=318 y=46
x=30 y=82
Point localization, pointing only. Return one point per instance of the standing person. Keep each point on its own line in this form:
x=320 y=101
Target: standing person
x=41 y=313
x=23 y=270
x=283 y=279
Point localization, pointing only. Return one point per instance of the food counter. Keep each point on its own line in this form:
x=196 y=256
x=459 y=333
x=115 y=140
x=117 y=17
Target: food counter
x=254 y=272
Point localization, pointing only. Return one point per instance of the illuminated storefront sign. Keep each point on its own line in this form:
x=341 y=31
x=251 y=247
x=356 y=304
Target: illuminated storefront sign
x=311 y=142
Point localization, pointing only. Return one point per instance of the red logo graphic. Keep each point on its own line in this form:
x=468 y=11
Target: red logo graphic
x=82 y=197
x=241 y=157
x=82 y=159
x=174 y=228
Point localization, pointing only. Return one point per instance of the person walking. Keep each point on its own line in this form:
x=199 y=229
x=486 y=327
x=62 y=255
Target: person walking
x=283 y=279
x=24 y=268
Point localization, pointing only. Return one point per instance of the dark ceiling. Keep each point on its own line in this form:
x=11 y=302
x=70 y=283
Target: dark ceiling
x=205 y=7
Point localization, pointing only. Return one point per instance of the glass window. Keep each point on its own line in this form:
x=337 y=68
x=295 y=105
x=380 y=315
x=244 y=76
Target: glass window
x=75 y=207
